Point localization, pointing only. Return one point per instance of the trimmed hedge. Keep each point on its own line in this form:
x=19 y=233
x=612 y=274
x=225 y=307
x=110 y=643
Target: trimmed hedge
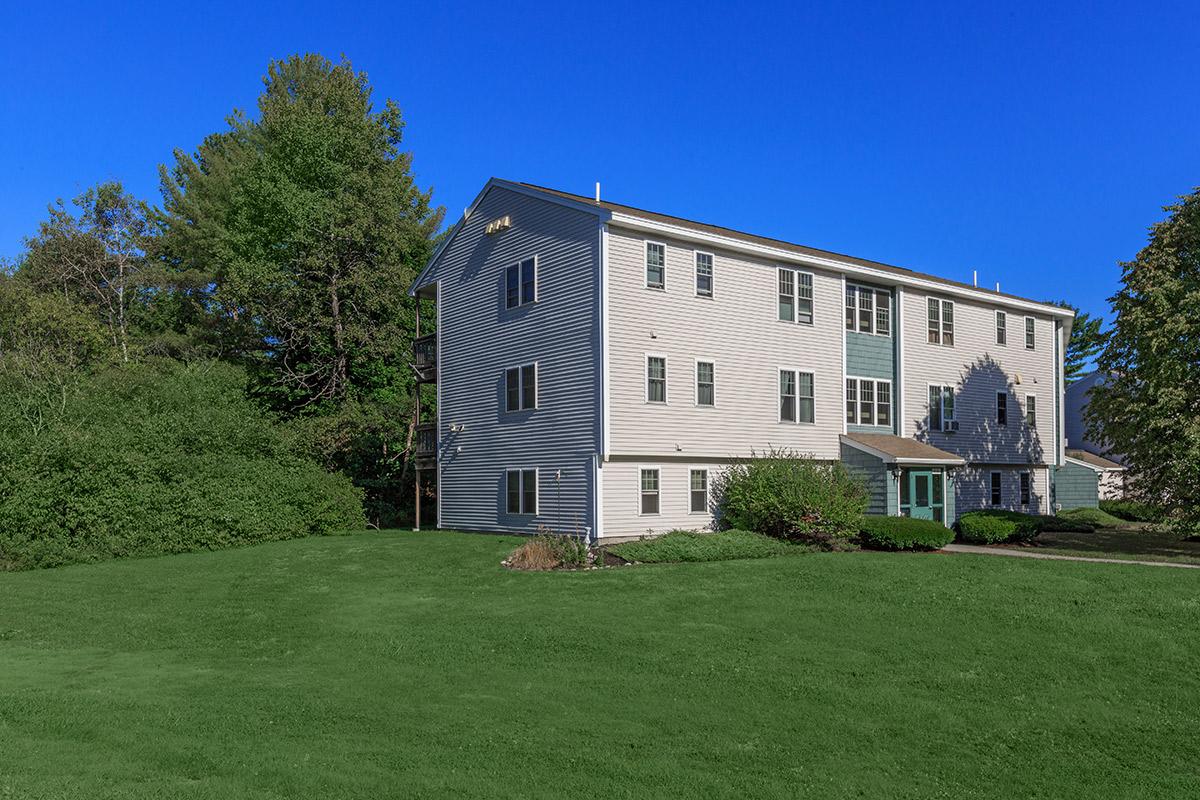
x=725 y=545
x=904 y=533
x=993 y=526
x=1132 y=511
x=1096 y=517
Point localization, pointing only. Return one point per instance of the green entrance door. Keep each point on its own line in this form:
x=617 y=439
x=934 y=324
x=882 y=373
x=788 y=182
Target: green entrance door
x=921 y=494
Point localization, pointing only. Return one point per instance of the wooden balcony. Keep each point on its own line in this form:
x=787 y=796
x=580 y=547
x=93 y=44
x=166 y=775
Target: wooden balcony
x=425 y=358
x=426 y=445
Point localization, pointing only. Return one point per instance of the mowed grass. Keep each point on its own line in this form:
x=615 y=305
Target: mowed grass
x=412 y=665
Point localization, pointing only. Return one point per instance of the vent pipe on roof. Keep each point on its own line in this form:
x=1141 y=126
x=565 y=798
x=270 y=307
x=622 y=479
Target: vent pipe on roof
x=597 y=191
x=975 y=278
x=997 y=287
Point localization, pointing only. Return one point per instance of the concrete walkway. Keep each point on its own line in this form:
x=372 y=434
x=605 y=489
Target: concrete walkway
x=1006 y=551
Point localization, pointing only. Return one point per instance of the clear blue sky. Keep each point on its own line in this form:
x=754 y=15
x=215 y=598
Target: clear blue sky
x=1032 y=143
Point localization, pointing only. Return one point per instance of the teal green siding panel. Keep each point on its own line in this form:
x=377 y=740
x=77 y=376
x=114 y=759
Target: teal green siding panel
x=869 y=356
x=1077 y=487
x=893 y=495
x=951 y=515
x=872 y=472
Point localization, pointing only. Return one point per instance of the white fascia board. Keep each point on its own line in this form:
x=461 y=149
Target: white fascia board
x=837 y=265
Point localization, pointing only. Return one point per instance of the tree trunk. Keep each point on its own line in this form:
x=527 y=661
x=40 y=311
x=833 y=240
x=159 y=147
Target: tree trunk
x=340 y=369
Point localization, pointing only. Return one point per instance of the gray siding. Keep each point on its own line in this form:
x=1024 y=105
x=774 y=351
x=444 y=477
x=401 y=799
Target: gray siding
x=479 y=338
x=973 y=489
x=1077 y=486
x=875 y=476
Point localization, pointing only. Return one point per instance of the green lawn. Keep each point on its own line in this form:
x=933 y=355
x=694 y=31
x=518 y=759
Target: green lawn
x=413 y=665
x=1134 y=543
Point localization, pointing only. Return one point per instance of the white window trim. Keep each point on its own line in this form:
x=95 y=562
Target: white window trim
x=1025 y=415
x=696 y=362
x=996 y=332
x=657 y=469
x=536 y=278
x=996 y=417
x=874 y=291
x=696 y=275
x=991 y=475
x=646 y=266
x=874 y=401
x=954 y=390
x=537 y=491
x=520 y=389
x=1021 y=501
x=646 y=380
x=942 y=303
x=707 y=490
x=796 y=273
x=1025 y=332
x=779 y=410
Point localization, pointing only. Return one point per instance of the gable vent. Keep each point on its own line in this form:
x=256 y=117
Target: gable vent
x=497 y=225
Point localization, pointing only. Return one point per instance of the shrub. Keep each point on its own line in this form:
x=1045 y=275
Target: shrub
x=550 y=551
x=904 y=533
x=1065 y=524
x=1095 y=517
x=695 y=546
x=1132 y=511
x=994 y=525
x=158 y=458
x=792 y=497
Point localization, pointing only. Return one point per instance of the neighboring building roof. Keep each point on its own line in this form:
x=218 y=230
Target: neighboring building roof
x=1093 y=460
x=802 y=250
x=898 y=450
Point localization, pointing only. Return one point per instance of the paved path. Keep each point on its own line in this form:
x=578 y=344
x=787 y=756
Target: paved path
x=1006 y=551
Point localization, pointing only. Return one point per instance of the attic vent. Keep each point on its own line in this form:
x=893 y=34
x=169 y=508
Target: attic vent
x=497 y=225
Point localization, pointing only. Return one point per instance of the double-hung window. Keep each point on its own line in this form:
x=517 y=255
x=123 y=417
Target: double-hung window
x=868 y=310
x=1025 y=488
x=1001 y=408
x=868 y=402
x=704 y=274
x=1001 y=328
x=1030 y=340
x=520 y=388
x=698 y=491
x=648 y=502
x=941 y=408
x=520 y=283
x=1031 y=410
x=796 y=396
x=795 y=296
x=941 y=322
x=706 y=394
x=656 y=379
x=997 y=486
x=522 y=491
x=656 y=265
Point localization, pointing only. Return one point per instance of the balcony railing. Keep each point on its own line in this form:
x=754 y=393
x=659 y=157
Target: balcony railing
x=425 y=356
x=426 y=441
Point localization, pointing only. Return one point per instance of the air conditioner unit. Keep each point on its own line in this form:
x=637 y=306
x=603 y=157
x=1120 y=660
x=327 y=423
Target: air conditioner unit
x=950 y=425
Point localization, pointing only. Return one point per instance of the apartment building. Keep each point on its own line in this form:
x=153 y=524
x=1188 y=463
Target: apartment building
x=598 y=365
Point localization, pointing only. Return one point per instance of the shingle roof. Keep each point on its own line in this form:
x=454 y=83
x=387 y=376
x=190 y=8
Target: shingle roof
x=799 y=249
x=900 y=449
x=1093 y=459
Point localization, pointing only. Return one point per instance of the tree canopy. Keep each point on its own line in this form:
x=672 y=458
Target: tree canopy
x=1085 y=343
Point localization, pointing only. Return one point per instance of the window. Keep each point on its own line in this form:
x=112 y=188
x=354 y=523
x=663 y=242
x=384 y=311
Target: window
x=868 y=402
x=520 y=388
x=698 y=491
x=787 y=396
x=787 y=295
x=868 y=310
x=941 y=322
x=1001 y=408
x=656 y=379
x=520 y=283
x=704 y=274
x=649 y=491
x=521 y=491
x=997 y=495
x=807 y=403
x=1029 y=337
x=705 y=383
x=1001 y=328
x=795 y=296
x=1024 y=488
x=941 y=408
x=656 y=265
x=1031 y=410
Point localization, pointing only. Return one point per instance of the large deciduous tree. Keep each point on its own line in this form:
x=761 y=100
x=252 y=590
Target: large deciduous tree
x=1148 y=408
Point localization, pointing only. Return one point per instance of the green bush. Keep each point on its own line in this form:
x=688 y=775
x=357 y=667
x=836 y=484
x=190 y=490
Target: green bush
x=792 y=497
x=1066 y=524
x=157 y=458
x=904 y=533
x=695 y=546
x=1095 y=517
x=994 y=525
x=1132 y=511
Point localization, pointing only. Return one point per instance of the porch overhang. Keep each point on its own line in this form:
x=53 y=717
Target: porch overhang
x=903 y=452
